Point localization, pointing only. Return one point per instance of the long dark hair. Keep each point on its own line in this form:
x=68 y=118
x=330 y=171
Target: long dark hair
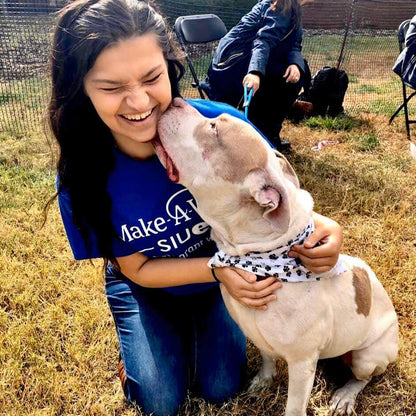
x=83 y=30
x=288 y=7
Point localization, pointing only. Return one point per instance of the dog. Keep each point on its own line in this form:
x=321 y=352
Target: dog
x=250 y=196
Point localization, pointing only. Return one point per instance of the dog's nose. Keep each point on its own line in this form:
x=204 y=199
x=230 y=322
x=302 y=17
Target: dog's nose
x=183 y=106
x=178 y=102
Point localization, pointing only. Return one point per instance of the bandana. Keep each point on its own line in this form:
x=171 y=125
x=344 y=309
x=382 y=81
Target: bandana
x=276 y=262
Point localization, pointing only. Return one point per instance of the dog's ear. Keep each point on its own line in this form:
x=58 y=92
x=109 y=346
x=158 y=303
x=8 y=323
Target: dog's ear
x=270 y=193
x=287 y=169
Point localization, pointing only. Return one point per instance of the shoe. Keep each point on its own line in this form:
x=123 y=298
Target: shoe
x=300 y=110
x=303 y=107
x=283 y=146
x=122 y=375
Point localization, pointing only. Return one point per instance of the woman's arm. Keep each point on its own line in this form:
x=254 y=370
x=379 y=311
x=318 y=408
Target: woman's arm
x=294 y=54
x=275 y=28
x=320 y=251
x=168 y=272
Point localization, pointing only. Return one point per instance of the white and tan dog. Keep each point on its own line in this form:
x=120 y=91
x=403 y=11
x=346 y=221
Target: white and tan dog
x=250 y=196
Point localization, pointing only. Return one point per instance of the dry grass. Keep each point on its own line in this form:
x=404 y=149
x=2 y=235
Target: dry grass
x=58 y=346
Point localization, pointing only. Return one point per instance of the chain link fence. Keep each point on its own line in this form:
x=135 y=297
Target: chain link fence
x=360 y=35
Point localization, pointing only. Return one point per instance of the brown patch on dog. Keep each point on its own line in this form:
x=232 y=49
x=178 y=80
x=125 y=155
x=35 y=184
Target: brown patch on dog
x=362 y=287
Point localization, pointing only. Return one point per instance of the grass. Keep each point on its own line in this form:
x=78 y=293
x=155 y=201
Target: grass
x=340 y=123
x=58 y=344
x=366 y=142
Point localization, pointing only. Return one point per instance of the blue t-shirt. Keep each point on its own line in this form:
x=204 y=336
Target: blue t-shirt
x=150 y=213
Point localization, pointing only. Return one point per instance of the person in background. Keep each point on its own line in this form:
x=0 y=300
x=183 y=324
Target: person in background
x=114 y=72
x=263 y=52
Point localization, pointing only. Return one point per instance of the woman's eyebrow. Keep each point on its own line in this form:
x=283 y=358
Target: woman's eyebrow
x=106 y=81
x=113 y=82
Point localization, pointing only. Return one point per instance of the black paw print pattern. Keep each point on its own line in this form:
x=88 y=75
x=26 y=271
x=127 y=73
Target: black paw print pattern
x=274 y=262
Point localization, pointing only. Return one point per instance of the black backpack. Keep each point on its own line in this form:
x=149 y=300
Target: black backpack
x=327 y=91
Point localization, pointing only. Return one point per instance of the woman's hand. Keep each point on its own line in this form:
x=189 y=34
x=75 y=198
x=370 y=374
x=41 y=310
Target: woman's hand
x=244 y=287
x=320 y=251
x=292 y=74
x=252 y=81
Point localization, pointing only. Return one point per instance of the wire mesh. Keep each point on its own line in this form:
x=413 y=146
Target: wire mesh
x=24 y=53
x=369 y=28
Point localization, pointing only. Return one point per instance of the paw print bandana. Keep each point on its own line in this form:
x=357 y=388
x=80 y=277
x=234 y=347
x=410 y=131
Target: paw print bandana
x=276 y=262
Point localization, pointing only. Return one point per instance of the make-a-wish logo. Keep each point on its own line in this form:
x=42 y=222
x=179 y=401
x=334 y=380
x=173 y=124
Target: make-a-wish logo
x=180 y=208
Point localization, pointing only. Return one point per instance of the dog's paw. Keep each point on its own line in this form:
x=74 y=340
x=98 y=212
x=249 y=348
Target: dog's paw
x=260 y=382
x=342 y=403
x=343 y=400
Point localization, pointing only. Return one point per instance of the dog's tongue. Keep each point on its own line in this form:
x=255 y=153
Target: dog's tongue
x=172 y=171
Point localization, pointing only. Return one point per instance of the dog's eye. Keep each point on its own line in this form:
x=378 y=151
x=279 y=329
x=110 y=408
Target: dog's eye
x=213 y=127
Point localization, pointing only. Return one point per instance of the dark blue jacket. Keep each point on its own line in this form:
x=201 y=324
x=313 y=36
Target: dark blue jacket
x=264 y=41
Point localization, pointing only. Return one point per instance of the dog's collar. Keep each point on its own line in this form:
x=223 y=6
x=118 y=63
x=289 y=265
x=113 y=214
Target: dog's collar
x=275 y=262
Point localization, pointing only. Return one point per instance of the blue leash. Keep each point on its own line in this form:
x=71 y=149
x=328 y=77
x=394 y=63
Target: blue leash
x=247 y=99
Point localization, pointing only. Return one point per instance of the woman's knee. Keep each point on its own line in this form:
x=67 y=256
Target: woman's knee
x=162 y=400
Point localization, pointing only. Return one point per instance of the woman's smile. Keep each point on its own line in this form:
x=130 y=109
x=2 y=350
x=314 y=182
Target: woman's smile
x=137 y=117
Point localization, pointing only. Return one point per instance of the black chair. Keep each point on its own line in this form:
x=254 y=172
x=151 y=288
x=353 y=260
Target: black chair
x=401 y=33
x=197 y=35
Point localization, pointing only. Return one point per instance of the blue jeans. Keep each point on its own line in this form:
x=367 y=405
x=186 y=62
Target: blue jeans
x=172 y=343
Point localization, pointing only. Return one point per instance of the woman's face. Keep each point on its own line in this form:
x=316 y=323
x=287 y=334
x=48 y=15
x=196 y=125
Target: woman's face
x=130 y=88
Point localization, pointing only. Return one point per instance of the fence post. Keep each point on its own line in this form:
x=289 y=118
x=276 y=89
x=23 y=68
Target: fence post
x=347 y=30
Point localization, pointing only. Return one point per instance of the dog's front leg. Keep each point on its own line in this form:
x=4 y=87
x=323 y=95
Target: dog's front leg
x=265 y=375
x=301 y=377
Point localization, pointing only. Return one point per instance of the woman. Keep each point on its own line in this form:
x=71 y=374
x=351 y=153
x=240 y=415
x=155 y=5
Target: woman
x=263 y=52
x=114 y=72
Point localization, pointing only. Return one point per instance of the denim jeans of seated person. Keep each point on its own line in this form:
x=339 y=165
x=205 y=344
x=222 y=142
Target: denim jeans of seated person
x=174 y=343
